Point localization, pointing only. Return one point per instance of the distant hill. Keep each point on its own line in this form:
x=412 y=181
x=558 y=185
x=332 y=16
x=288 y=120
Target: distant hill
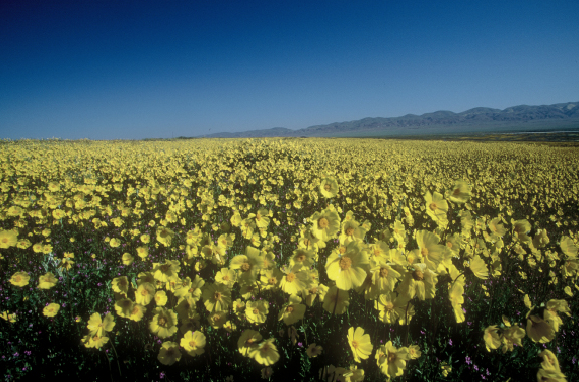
x=478 y=119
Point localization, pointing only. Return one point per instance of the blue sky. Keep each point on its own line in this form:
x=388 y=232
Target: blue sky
x=118 y=69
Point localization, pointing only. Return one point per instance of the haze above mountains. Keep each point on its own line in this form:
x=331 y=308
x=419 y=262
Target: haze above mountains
x=475 y=120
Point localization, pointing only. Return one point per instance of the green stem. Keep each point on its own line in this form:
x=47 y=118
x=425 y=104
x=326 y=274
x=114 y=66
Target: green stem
x=305 y=326
x=456 y=278
x=407 y=324
x=115 y=350
x=110 y=370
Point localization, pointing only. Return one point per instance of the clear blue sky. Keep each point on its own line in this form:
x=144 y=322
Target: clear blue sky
x=134 y=69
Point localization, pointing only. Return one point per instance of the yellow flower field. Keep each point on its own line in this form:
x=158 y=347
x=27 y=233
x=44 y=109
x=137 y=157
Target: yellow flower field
x=293 y=259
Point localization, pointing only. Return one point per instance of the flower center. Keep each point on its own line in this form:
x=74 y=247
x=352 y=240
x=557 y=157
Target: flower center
x=433 y=206
x=217 y=296
x=355 y=344
x=345 y=263
x=272 y=281
x=350 y=231
x=245 y=267
x=327 y=187
x=389 y=305
x=323 y=223
x=342 y=249
x=290 y=277
x=289 y=309
x=418 y=275
x=300 y=258
x=383 y=272
x=135 y=310
x=17 y=279
x=391 y=357
x=162 y=322
x=144 y=292
x=424 y=252
x=256 y=311
x=456 y=191
x=192 y=344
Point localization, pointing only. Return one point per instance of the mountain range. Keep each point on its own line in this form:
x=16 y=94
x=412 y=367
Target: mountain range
x=476 y=120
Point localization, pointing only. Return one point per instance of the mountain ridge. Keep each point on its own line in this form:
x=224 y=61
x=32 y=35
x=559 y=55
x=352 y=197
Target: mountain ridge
x=474 y=120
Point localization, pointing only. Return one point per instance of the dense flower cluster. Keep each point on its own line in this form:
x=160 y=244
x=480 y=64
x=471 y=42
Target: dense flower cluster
x=207 y=227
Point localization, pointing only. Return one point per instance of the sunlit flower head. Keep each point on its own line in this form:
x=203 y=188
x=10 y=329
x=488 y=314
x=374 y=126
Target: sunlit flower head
x=194 y=343
x=164 y=322
x=359 y=343
x=348 y=267
x=169 y=353
x=51 y=309
x=20 y=279
x=99 y=327
x=265 y=353
x=329 y=187
x=8 y=238
x=460 y=192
